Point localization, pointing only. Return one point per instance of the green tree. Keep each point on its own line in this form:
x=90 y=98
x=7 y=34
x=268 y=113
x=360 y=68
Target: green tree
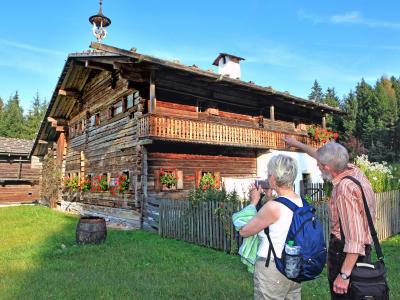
x=13 y=119
x=1 y=112
x=332 y=100
x=316 y=92
x=388 y=118
x=35 y=117
x=350 y=107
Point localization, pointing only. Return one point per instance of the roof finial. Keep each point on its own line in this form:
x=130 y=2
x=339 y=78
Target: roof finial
x=100 y=22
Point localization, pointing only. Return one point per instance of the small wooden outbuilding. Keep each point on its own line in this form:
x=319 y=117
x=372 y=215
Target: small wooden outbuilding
x=19 y=174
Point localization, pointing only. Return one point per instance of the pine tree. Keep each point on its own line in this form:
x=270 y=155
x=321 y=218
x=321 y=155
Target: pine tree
x=35 y=117
x=350 y=107
x=396 y=87
x=330 y=98
x=13 y=119
x=370 y=128
x=316 y=92
x=1 y=113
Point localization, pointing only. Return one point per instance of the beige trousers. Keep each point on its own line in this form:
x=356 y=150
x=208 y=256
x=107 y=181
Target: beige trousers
x=270 y=284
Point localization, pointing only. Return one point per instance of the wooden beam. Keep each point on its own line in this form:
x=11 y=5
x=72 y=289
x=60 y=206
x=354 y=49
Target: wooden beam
x=272 y=112
x=69 y=93
x=58 y=123
x=152 y=95
x=99 y=66
x=324 y=122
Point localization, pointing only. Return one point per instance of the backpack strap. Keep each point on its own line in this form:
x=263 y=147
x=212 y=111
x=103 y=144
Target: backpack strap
x=289 y=204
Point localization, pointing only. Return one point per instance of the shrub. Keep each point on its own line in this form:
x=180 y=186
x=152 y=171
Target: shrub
x=379 y=174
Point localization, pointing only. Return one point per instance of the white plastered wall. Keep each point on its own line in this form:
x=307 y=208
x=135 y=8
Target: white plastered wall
x=306 y=164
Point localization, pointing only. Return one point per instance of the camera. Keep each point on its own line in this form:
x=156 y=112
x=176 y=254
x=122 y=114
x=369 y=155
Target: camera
x=264 y=184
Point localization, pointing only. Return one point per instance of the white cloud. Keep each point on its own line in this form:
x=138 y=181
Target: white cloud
x=30 y=48
x=303 y=15
x=352 y=17
x=349 y=17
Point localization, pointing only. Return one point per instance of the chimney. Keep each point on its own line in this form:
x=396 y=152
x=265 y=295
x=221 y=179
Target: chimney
x=228 y=65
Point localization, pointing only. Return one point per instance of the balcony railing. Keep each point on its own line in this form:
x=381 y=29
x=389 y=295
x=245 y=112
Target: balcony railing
x=195 y=131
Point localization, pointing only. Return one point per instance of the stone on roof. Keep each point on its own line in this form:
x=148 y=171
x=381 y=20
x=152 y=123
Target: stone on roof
x=15 y=146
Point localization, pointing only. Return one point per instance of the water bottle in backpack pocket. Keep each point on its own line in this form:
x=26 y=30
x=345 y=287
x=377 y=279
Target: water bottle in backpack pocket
x=292 y=260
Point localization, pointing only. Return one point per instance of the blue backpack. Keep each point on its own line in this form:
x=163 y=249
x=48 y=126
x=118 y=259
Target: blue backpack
x=306 y=231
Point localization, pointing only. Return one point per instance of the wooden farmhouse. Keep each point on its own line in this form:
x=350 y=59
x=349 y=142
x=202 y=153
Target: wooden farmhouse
x=19 y=174
x=119 y=113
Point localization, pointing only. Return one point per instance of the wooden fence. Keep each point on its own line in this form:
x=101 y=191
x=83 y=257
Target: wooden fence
x=205 y=223
x=209 y=223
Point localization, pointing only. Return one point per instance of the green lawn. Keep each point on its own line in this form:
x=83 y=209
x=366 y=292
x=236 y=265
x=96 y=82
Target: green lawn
x=35 y=264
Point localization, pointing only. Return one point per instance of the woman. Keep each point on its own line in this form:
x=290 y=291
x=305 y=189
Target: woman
x=269 y=283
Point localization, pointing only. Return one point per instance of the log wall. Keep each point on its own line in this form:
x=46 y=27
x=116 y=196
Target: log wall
x=189 y=164
x=107 y=148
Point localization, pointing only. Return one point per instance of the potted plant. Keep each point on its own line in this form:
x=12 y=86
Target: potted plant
x=120 y=185
x=86 y=184
x=208 y=181
x=99 y=184
x=71 y=184
x=318 y=134
x=168 y=179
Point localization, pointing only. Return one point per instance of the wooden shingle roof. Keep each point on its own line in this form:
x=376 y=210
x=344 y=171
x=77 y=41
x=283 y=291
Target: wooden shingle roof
x=15 y=146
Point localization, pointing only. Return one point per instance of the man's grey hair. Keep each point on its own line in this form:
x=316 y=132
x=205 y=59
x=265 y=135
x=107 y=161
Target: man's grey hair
x=284 y=169
x=333 y=155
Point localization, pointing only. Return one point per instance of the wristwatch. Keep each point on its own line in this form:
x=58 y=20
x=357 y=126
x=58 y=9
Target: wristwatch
x=344 y=276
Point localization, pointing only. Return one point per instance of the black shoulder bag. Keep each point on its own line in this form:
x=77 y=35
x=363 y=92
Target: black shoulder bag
x=368 y=281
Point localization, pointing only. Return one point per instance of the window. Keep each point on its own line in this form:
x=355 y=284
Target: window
x=129 y=101
x=117 y=108
x=207 y=179
x=76 y=125
x=71 y=131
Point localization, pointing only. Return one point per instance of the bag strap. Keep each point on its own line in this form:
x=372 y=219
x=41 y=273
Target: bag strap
x=289 y=204
x=270 y=248
x=374 y=235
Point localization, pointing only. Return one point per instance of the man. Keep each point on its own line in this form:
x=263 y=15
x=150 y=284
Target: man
x=346 y=204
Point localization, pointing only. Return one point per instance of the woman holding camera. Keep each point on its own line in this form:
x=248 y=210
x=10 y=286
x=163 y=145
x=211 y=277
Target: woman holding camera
x=269 y=283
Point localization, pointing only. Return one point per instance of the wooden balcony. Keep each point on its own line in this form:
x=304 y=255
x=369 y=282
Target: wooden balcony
x=195 y=131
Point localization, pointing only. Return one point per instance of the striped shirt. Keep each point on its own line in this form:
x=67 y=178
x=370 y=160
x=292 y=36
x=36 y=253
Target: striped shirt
x=347 y=200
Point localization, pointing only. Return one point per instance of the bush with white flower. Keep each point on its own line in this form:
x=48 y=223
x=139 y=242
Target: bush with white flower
x=380 y=175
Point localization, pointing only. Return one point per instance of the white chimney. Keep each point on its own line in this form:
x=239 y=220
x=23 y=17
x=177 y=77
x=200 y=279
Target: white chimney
x=228 y=65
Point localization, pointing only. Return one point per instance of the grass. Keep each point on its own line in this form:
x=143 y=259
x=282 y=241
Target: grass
x=39 y=260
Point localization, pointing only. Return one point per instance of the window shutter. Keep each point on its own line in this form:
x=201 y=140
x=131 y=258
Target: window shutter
x=179 y=177
x=217 y=176
x=110 y=112
x=124 y=104
x=197 y=178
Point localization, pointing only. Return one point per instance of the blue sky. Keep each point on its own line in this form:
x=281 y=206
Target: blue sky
x=286 y=44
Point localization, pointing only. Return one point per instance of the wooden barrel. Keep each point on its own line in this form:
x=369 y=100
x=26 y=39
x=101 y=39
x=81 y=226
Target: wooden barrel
x=91 y=230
